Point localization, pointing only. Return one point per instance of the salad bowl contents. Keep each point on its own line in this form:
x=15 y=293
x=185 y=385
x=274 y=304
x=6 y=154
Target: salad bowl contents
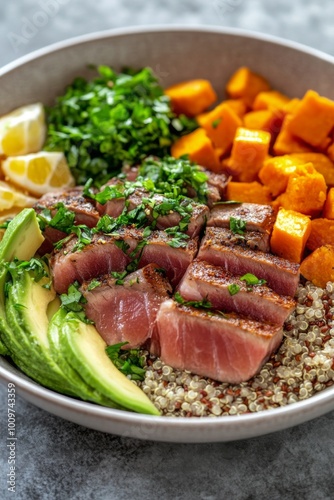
x=167 y=260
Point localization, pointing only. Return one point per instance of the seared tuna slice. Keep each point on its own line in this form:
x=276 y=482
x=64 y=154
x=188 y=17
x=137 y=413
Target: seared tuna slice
x=257 y=217
x=174 y=260
x=198 y=216
x=107 y=253
x=72 y=199
x=202 y=280
x=85 y=211
x=130 y=172
x=102 y=256
x=218 y=181
x=227 y=348
x=249 y=239
x=152 y=202
x=126 y=311
x=280 y=274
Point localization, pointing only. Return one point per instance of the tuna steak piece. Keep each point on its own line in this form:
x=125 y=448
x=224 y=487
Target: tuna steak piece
x=227 y=348
x=102 y=256
x=218 y=181
x=202 y=280
x=152 y=202
x=126 y=311
x=249 y=239
x=257 y=217
x=280 y=274
x=174 y=260
x=85 y=211
x=107 y=253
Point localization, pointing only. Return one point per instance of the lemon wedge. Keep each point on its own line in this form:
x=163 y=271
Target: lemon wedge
x=11 y=197
x=23 y=131
x=38 y=173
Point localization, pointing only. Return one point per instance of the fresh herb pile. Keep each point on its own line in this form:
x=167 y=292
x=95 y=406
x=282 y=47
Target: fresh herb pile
x=113 y=120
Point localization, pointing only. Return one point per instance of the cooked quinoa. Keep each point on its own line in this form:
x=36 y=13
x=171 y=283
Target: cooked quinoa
x=302 y=366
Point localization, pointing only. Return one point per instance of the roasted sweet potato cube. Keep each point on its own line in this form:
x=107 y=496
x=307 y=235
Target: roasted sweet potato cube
x=313 y=119
x=291 y=106
x=290 y=233
x=286 y=142
x=258 y=119
x=319 y=266
x=305 y=192
x=270 y=99
x=238 y=105
x=275 y=173
x=248 y=192
x=249 y=150
x=321 y=163
x=199 y=148
x=246 y=84
x=322 y=233
x=191 y=97
x=221 y=125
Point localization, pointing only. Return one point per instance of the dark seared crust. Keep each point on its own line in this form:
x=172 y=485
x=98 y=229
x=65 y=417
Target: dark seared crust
x=215 y=275
x=203 y=280
x=255 y=328
x=250 y=239
x=281 y=275
x=257 y=217
x=73 y=199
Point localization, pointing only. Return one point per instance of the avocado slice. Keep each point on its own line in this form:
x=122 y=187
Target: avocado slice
x=27 y=315
x=83 y=390
x=22 y=239
x=84 y=349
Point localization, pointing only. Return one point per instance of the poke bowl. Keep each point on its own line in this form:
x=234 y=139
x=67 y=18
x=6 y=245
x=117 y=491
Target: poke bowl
x=176 y=55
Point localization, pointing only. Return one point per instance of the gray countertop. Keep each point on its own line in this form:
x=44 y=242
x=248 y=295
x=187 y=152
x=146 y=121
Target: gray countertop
x=60 y=460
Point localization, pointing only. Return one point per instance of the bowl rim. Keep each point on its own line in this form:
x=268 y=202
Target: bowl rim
x=161 y=28
x=225 y=421
x=324 y=400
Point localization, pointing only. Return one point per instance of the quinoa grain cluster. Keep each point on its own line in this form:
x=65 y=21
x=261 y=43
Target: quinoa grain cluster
x=303 y=365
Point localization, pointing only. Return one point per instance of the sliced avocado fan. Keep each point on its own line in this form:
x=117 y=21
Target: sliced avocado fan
x=53 y=347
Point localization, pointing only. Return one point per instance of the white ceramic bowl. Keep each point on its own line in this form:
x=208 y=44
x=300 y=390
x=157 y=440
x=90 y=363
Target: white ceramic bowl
x=175 y=54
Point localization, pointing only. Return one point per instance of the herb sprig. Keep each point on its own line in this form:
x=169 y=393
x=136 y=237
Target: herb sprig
x=128 y=361
x=74 y=301
x=237 y=226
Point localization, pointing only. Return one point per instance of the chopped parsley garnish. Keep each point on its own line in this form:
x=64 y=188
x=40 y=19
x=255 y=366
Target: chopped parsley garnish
x=35 y=266
x=119 y=277
x=215 y=123
x=198 y=304
x=63 y=220
x=237 y=226
x=128 y=361
x=233 y=289
x=84 y=235
x=252 y=280
x=74 y=301
x=94 y=283
x=173 y=177
x=112 y=120
x=5 y=224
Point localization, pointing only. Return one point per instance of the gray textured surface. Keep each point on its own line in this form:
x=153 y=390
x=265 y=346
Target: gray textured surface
x=60 y=460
